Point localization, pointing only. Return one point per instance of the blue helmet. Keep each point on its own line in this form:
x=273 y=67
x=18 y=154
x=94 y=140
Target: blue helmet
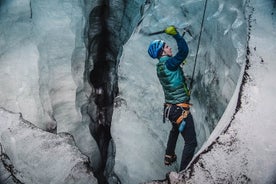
x=155 y=47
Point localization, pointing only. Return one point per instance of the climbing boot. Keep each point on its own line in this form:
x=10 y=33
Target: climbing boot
x=169 y=159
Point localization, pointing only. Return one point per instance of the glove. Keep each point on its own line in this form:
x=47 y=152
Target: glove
x=171 y=30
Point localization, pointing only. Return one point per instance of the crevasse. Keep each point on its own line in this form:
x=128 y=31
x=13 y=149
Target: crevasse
x=82 y=67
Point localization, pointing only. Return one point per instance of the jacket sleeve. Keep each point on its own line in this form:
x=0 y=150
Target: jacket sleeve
x=174 y=62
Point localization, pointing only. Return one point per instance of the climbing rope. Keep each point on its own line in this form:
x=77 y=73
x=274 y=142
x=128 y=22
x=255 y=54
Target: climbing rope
x=199 y=39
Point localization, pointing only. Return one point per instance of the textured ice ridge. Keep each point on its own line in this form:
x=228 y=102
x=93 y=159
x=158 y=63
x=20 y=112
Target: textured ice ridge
x=38 y=156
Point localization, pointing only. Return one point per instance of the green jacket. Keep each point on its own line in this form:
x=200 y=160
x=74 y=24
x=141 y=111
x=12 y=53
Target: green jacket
x=171 y=75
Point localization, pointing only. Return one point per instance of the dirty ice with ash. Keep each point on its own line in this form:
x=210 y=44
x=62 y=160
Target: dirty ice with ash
x=48 y=106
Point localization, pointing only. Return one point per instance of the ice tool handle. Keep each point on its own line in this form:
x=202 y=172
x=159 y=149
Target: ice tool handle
x=163 y=31
x=157 y=32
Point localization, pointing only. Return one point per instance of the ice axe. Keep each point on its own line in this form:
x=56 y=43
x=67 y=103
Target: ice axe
x=157 y=32
x=186 y=30
x=163 y=31
x=154 y=33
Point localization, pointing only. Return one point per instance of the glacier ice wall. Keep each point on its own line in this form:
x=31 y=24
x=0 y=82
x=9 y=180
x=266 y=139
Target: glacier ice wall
x=137 y=128
x=60 y=59
x=110 y=25
x=42 y=67
x=46 y=154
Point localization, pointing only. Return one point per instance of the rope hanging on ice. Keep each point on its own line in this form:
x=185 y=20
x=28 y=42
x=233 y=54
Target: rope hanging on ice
x=199 y=39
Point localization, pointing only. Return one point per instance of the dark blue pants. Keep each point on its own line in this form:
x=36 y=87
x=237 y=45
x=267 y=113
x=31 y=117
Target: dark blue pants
x=189 y=136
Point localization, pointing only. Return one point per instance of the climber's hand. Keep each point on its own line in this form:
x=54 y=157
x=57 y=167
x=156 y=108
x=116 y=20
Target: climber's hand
x=171 y=30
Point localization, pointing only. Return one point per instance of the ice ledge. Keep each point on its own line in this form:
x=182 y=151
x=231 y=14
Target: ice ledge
x=41 y=157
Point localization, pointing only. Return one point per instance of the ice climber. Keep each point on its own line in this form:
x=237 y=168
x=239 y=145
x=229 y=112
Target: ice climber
x=177 y=96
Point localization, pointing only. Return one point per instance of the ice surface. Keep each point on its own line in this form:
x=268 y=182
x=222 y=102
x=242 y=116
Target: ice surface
x=137 y=128
x=245 y=151
x=42 y=60
x=41 y=157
